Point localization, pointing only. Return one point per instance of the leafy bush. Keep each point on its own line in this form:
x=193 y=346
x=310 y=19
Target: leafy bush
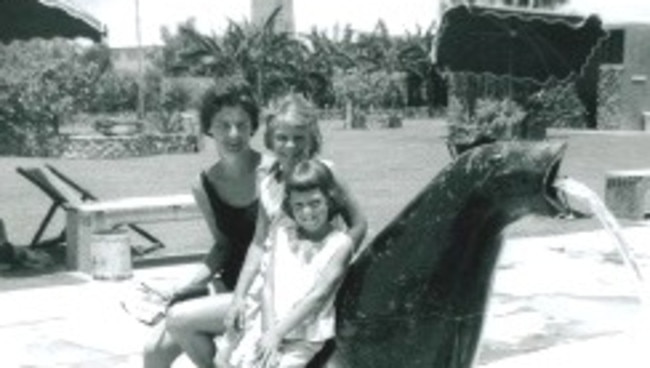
x=492 y=119
x=167 y=98
x=378 y=89
x=114 y=92
x=41 y=82
x=557 y=106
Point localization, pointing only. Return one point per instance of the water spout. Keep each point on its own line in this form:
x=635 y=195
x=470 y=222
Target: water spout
x=633 y=345
x=581 y=192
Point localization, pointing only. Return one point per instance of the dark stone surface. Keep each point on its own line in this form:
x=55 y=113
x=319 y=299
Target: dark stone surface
x=417 y=295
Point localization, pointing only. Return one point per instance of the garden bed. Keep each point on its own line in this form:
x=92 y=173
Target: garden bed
x=123 y=146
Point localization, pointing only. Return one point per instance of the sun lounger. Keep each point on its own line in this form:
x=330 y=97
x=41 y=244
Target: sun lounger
x=66 y=193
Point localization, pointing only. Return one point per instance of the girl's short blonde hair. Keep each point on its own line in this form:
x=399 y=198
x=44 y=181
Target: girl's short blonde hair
x=294 y=109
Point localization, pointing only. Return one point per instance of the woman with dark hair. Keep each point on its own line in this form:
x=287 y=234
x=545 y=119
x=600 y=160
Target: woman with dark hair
x=227 y=196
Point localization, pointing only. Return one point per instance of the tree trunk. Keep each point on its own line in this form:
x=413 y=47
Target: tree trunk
x=349 y=114
x=260 y=90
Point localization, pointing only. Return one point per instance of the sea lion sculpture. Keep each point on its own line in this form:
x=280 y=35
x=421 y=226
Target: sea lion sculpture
x=417 y=295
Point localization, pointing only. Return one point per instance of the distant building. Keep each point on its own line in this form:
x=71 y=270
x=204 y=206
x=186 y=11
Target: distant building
x=125 y=59
x=624 y=78
x=262 y=9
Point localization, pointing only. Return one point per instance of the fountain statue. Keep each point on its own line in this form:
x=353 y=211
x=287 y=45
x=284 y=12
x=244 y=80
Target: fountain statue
x=417 y=294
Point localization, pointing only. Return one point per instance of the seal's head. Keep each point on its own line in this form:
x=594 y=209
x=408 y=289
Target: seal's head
x=516 y=177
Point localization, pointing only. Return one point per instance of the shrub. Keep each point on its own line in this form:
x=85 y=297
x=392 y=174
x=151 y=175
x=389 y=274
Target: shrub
x=492 y=120
x=40 y=84
x=167 y=101
x=114 y=92
x=557 y=106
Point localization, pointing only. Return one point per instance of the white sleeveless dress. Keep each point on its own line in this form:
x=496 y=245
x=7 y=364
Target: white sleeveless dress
x=297 y=266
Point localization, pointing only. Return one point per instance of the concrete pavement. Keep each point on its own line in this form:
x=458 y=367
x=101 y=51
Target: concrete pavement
x=554 y=298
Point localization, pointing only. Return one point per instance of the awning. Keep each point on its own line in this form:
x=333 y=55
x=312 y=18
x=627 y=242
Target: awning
x=25 y=19
x=519 y=43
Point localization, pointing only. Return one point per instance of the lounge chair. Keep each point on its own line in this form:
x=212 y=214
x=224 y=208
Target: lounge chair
x=66 y=193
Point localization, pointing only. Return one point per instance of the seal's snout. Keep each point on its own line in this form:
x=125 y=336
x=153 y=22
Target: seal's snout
x=553 y=195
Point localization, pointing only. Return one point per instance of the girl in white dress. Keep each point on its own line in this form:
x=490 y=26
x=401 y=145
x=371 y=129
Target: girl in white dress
x=294 y=294
x=293 y=136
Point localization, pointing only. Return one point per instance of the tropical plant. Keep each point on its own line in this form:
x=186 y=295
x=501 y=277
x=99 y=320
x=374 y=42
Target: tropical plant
x=313 y=63
x=259 y=54
x=114 y=92
x=42 y=82
x=556 y=106
x=492 y=120
x=323 y=58
x=424 y=85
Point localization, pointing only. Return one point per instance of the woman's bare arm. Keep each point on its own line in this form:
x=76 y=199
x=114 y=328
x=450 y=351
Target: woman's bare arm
x=352 y=214
x=268 y=308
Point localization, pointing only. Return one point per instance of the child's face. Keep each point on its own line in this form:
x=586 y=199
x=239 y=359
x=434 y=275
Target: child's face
x=310 y=210
x=291 y=144
x=231 y=128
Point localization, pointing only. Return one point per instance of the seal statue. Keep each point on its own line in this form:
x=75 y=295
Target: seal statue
x=417 y=294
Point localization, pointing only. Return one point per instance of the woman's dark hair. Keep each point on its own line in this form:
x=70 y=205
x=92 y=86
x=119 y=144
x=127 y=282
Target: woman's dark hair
x=313 y=174
x=219 y=96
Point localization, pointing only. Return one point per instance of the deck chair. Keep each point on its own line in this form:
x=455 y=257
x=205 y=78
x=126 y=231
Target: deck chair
x=65 y=193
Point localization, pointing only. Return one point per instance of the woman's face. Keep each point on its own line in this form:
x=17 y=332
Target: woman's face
x=291 y=144
x=310 y=210
x=231 y=129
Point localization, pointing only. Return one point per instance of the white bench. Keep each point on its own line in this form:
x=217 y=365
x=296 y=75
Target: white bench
x=625 y=192
x=87 y=218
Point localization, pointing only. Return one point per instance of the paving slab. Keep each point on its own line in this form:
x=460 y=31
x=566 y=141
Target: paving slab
x=554 y=298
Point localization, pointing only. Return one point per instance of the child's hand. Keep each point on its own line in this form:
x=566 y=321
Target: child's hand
x=267 y=349
x=163 y=296
x=234 y=320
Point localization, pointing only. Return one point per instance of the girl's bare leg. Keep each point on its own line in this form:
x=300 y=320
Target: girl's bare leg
x=161 y=350
x=193 y=325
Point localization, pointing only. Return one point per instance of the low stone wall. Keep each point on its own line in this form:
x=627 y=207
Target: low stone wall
x=407 y=112
x=102 y=147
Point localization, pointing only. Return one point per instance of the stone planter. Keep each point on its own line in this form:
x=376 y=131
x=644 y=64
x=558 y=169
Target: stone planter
x=116 y=127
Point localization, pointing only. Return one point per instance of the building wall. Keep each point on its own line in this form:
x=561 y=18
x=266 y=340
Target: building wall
x=636 y=83
x=262 y=9
x=125 y=59
x=633 y=82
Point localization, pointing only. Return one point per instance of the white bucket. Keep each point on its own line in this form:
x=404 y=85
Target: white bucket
x=111 y=255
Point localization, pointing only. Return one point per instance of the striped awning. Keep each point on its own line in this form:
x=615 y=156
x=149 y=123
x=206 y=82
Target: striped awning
x=25 y=19
x=519 y=43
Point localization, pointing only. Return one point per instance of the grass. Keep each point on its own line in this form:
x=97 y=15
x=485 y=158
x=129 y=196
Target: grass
x=384 y=167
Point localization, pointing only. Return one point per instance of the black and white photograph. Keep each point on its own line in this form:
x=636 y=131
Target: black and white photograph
x=324 y=184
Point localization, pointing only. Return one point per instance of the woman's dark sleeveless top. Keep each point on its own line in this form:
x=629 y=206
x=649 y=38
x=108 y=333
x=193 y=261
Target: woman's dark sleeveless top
x=237 y=224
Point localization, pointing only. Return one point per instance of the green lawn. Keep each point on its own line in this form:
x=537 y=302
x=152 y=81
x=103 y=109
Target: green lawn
x=385 y=168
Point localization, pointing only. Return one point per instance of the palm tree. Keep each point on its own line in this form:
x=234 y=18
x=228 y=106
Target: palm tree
x=257 y=54
x=423 y=81
x=324 y=57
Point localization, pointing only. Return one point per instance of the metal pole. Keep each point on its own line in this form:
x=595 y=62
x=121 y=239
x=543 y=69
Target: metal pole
x=140 y=107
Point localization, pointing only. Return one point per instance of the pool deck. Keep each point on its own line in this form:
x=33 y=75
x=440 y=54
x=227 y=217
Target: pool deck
x=556 y=301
